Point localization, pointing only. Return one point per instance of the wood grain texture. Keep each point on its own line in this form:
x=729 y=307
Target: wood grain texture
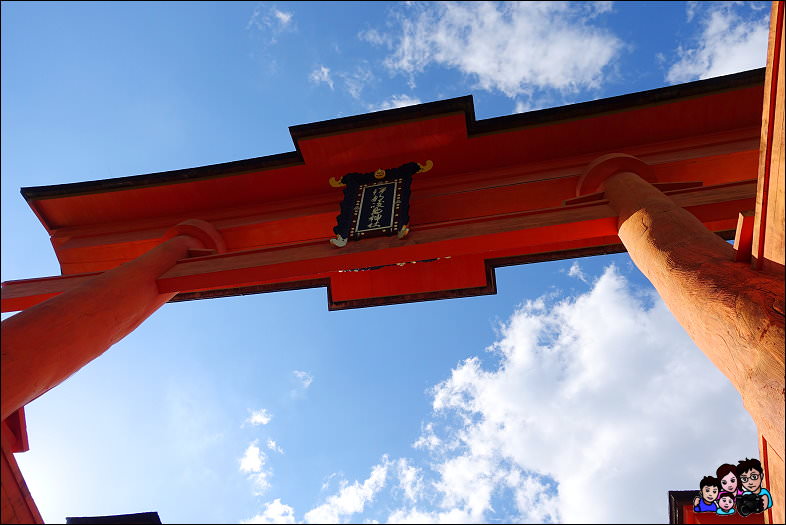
x=726 y=307
x=768 y=236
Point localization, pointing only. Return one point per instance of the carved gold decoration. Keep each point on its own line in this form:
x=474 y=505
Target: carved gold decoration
x=380 y=174
x=425 y=167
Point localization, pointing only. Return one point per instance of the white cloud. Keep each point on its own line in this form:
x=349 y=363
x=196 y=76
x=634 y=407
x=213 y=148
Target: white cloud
x=410 y=479
x=270 y=21
x=321 y=75
x=283 y=17
x=691 y=8
x=576 y=271
x=596 y=405
x=733 y=38
x=275 y=447
x=521 y=107
x=253 y=464
x=357 y=80
x=428 y=439
x=511 y=47
x=396 y=101
x=304 y=377
x=274 y=512
x=351 y=499
x=253 y=460
x=536 y=101
x=373 y=36
x=259 y=417
x=600 y=7
x=593 y=394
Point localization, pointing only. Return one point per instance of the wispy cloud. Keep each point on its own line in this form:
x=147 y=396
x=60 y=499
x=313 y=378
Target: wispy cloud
x=259 y=417
x=253 y=464
x=510 y=47
x=192 y=420
x=275 y=447
x=271 y=21
x=522 y=107
x=534 y=101
x=396 y=101
x=321 y=75
x=428 y=440
x=357 y=80
x=410 y=479
x=576 y=271
x=283 y=17
x=375 y=37
x=733 y=38
x=304 y=377
x=302 y=381
x=691 y=8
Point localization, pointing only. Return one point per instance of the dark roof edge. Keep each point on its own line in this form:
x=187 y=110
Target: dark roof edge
x=463 y=104
x=621 y=102
x=385 y=117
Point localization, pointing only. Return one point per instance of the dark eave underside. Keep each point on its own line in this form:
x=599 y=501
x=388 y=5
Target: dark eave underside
x=399 y=115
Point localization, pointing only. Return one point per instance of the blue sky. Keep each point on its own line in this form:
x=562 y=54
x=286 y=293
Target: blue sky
x=545 y=402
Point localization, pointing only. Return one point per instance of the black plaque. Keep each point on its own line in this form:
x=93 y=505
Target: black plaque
x=375 y=213
x=375 y=204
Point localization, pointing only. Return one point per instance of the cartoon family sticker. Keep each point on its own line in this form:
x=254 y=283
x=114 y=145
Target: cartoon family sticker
x=734 y=490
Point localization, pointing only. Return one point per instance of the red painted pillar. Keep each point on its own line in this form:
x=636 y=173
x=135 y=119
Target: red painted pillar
x=45 y=344
x=16 y=502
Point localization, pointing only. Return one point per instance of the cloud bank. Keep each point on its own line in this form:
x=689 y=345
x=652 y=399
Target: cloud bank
x=587 y=408
x=510 y=47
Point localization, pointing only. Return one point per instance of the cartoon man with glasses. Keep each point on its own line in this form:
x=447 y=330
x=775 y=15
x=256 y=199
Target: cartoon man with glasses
x=751 y=474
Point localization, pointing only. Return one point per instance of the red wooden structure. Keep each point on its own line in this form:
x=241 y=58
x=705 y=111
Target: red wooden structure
x=544 y=185
x=502 y=191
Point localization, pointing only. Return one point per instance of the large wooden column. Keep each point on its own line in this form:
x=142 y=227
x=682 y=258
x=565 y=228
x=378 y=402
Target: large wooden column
x=732 y=311
x=768 y=238
x=44 y=345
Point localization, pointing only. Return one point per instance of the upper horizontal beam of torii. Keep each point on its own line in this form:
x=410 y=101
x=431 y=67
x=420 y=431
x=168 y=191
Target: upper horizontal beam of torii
x=502 y=191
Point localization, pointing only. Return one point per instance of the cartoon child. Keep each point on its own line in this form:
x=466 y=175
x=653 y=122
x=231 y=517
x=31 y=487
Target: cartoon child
x=751 y=474
x=727 y=475
x=725 y=503
x=709 y=493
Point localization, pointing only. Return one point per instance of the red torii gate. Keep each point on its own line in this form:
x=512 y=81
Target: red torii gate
x=658 y=173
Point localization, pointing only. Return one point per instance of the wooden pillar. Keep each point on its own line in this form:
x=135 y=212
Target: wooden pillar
x=768 y=248
x=732 y=311
x=45 y=344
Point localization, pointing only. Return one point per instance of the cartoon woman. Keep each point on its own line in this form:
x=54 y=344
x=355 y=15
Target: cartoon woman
x=727 y=475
